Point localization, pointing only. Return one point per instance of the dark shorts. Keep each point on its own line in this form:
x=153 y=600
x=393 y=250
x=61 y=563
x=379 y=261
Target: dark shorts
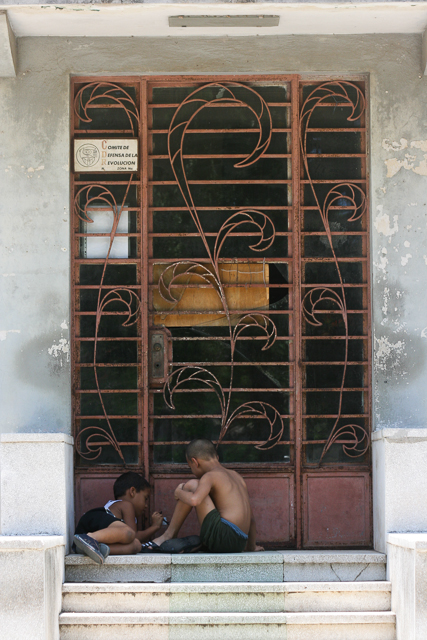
x=94 y=520
x=219 y=537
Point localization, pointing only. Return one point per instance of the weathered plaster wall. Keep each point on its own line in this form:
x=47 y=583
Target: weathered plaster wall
x=34 y=204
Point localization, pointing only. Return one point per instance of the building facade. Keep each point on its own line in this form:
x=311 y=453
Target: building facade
x=213 y=224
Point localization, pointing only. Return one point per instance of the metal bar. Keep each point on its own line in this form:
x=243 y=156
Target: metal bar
x=204 y=415
x=156 y=443
x=207 y=390
x=296 y=195
x=249 y=234
x=218 y=156
x=153 y=132
x=333 y=389
x=144 y=244
x=217 y=105
x=169 y=183
x=227 y=208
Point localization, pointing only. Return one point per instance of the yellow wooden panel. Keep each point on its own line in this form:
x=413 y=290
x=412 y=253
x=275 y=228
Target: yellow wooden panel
x=194 y=291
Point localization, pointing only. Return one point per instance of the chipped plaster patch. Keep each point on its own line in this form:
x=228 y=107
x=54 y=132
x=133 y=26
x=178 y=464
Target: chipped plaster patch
x=8 y=275
x=386 y=300
x=394 y=146
x=382 y=223
x=405 y=259
x=383 y=261
x=64 y=325
x=425 y=259
x=419 y=144
x=60 y=349
x=388 y=354
x=406 y=244
x=409 y=162
x=421 y=170
x=3 y=334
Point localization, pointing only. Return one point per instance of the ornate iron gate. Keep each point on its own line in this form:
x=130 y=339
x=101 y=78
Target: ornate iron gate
x=221 y=290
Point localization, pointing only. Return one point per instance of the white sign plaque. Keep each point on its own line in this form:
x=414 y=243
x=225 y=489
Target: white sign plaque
x=105 y=155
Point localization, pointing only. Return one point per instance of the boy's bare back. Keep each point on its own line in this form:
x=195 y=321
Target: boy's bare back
x=230 y=496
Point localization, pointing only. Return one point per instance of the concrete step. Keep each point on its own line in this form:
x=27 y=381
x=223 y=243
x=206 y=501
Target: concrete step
x=226 y=597
x=227 y=626
x=266 y=566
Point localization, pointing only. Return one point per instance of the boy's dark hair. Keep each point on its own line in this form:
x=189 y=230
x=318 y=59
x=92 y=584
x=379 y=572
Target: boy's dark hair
x=204 y=449
x=127 y=481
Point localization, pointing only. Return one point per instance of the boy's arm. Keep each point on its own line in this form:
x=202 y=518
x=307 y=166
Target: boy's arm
x=128 y=514
x=196 y=498
x=156 y=524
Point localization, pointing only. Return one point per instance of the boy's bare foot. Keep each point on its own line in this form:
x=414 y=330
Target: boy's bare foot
x=162 y=538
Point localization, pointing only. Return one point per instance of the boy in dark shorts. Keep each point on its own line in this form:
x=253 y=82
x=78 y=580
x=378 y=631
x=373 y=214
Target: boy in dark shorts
x=113 y=528
x=221 y=500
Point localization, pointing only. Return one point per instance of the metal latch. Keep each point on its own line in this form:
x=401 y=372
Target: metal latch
x=157 y=355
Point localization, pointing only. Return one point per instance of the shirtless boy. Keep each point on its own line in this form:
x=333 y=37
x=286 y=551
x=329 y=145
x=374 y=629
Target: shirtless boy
x=221 y=500
x=113 y=528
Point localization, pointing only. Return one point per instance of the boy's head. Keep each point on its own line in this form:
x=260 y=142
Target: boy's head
x=200 y=450
x=134 y=488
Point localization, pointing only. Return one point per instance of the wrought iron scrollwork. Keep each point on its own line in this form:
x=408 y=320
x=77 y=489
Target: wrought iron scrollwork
x=91 y=195
x=91 y=439
x=96 y=93
x=209 y=272
x=353 y=438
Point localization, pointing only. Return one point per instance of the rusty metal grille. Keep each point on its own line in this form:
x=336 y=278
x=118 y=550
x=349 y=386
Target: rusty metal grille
x=222 y=289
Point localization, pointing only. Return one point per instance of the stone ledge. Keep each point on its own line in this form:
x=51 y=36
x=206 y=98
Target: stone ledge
x=33 y=543
x=132 y=560
x=36 y=438
x=379 y=617
x=416 y=541
x=345 y=557
x=225 y=587
x=263 y=557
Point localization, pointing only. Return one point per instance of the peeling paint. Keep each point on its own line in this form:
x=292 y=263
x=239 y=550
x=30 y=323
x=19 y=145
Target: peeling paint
x=383 y=261
x=409 y=162
x=406 y=244
x=8 y=275
x=3 y=334
x=424 y=333
x=388 y=354
x=425 y=259
x=64 y=325
x=405 y=259
x=419 y=144
x=386 y=299
x=394 y=146
x=421 y=170
x=60 y=349
x=382 y=223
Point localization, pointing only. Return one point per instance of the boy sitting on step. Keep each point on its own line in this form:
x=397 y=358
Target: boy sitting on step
x=221 y=500
x=113 y=528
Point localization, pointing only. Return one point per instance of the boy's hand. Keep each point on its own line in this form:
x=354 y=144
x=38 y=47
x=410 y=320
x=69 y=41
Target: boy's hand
x=180 y=486
x=157 y=519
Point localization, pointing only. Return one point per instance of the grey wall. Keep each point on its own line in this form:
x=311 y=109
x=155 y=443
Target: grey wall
x=34 y=202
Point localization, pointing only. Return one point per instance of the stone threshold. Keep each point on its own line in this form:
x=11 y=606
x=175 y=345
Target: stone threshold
x=267 y=566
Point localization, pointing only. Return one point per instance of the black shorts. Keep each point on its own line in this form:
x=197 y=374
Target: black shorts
x=94 y=520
